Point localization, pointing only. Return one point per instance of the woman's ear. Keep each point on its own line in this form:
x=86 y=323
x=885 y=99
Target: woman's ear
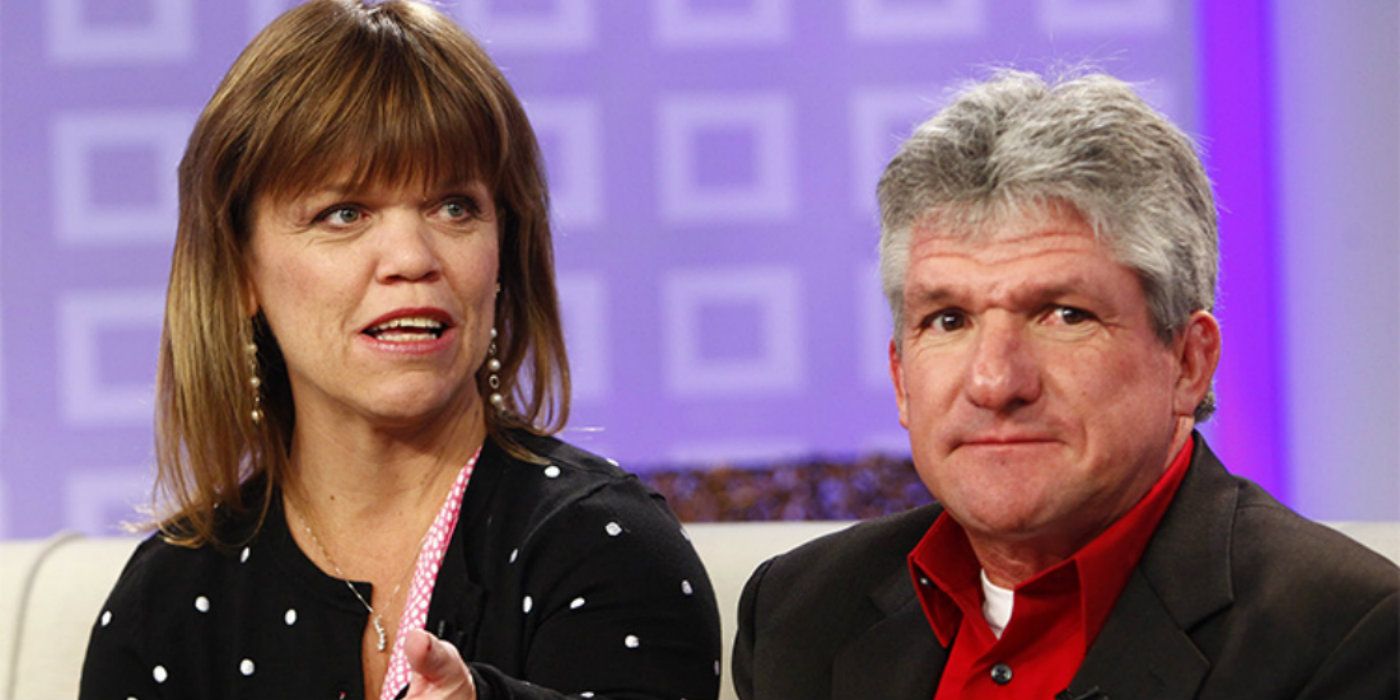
x=1197 y=348
x=247 y=297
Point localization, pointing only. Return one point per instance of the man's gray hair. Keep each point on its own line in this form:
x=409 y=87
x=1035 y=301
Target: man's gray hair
x=1016 y=142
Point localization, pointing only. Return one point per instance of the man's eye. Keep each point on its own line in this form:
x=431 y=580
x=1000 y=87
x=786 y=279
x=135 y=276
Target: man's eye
x=948 y=320
x=1071 y=316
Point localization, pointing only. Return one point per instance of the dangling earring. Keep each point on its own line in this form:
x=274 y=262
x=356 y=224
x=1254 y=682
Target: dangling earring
x=493 y=367
x=255 y=382
x=493 y=380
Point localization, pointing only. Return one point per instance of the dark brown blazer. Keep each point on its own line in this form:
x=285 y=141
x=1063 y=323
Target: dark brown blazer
x=1236 y=597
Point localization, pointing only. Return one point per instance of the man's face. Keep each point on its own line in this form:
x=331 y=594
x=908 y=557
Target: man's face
x=1040 y=403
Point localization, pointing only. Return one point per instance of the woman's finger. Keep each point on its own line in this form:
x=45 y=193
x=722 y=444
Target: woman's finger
x=438 y=670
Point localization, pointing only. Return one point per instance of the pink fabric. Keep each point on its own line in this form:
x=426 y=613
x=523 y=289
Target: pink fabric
x=420 y=592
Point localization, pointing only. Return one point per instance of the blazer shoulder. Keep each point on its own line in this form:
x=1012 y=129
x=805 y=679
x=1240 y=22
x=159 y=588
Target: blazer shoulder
x=1279 y=544
x=862 y=555
x=800 y=609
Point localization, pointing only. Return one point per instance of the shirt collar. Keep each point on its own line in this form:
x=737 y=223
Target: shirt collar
x=946 y=571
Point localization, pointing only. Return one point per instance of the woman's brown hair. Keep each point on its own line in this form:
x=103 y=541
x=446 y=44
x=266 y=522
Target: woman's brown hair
x=391 y=93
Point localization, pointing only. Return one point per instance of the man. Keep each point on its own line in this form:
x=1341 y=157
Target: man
x=1049 y=254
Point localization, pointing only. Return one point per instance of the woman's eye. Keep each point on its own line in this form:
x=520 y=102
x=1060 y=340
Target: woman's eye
x=341 y=216
x=459 y=208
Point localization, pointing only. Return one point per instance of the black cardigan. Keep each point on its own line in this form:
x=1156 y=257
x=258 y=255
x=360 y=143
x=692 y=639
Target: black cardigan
x=621 y=606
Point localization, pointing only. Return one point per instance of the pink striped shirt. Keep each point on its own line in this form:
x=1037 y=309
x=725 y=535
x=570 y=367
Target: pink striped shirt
x=420 y=592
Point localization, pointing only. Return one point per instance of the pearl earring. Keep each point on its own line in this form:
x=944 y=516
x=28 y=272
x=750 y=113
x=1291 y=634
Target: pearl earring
x=493 y=379
x=254 y=382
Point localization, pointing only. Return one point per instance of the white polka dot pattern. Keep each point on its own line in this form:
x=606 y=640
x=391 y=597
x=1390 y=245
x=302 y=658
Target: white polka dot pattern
x=291 y=617
x=631 y=641
x=527 y=604
x=613 y=529
x=576 y=603
x=686 y=588
x=243 y=558
x=420 y=592
x=159 y=673
x=201 y=604
x=513 y=554
x=552 y=472
x=106 y=617
x=246 y=667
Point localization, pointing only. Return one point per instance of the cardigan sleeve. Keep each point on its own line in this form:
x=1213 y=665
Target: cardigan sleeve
x=616 y=604
x=116 y=664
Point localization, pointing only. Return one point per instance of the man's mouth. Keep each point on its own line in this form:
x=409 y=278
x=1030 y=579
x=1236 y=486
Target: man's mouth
x=407 y=329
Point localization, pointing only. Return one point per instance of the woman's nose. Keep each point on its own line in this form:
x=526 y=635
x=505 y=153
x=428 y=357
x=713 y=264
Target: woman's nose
x=407 y=251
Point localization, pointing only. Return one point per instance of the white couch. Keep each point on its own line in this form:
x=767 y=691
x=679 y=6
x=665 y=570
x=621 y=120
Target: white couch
x=51 y=591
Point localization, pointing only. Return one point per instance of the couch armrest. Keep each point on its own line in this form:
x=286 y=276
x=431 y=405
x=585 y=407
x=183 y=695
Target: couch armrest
x=50 y=594
x=731 y=552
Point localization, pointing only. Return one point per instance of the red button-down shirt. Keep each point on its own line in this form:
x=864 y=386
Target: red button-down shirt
x=1056 y=613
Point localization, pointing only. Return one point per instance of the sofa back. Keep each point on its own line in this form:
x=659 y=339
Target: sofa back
x=52 y=590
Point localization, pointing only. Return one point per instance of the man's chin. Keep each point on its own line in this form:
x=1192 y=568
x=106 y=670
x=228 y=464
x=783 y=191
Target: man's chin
x=1006 y=522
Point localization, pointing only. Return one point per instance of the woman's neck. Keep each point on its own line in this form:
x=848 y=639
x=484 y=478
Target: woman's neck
x=360 y=497
x=365 y=488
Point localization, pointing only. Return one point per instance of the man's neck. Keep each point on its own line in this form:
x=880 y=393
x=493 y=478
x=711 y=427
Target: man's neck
x=1009 y=561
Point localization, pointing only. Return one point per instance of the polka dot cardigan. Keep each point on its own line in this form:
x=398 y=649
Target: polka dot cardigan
x=566 y=578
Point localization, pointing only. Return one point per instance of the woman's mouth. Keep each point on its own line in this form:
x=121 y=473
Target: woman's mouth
x=407 y=329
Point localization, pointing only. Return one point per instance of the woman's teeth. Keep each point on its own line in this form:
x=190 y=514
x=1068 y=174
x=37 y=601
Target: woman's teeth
x=407 y=329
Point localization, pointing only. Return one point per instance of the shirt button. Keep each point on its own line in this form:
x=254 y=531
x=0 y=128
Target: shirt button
x=1001 y=674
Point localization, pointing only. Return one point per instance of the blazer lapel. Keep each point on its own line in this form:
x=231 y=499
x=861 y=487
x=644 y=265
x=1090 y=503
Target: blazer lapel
x=896 y=658
x=1141 y=653
x=1145 y=649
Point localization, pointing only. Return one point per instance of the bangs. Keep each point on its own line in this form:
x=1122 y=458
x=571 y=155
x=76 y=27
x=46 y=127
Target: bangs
x=380 y=107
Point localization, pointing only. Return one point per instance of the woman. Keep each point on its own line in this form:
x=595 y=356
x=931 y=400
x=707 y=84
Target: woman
x=361 y=338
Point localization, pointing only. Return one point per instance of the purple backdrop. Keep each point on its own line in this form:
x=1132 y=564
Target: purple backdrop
x=712 y=164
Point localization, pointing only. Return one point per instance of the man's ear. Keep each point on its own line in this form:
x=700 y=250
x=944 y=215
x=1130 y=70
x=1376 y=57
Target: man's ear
x=1197 y=349
x=897 y=376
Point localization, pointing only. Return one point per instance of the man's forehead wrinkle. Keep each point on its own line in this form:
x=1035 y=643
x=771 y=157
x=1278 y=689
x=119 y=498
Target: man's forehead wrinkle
x=983 y=256
x=1003 y=291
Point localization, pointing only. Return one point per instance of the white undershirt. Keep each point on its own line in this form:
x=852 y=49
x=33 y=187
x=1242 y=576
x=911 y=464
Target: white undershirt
x=996 y=604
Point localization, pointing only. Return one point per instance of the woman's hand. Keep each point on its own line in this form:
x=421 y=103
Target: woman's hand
x=437 y=670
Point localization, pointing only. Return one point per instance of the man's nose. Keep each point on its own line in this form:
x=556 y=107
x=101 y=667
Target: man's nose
x=1005 y=373
x=407 y=249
